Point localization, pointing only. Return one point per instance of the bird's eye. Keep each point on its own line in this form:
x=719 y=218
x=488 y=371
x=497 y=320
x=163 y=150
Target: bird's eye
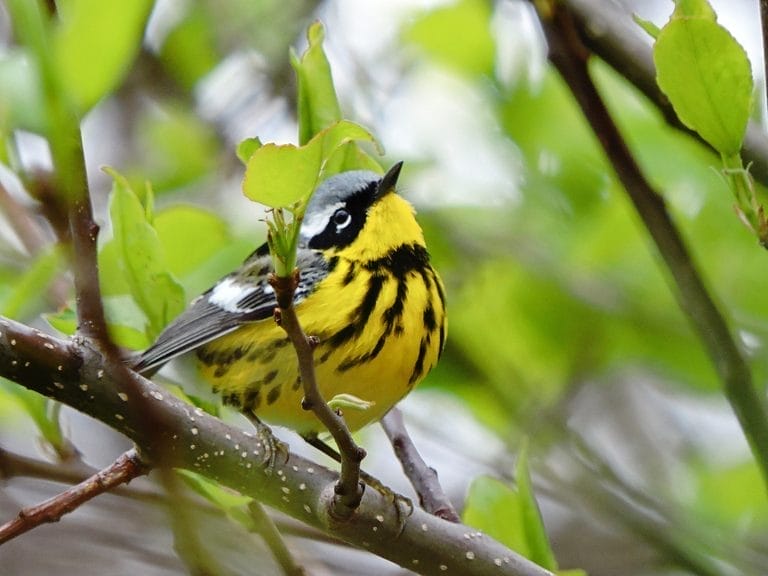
x=341 y=218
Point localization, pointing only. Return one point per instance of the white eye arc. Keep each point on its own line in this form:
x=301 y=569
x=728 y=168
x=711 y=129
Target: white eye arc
x=341 y=219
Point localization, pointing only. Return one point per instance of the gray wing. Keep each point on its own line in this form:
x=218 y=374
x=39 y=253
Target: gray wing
x=239 y=298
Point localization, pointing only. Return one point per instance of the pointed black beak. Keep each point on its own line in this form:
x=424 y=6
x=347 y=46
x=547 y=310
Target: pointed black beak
x=388 y=181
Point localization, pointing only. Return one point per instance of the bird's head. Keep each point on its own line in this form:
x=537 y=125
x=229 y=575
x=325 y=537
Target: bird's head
x=359 y=214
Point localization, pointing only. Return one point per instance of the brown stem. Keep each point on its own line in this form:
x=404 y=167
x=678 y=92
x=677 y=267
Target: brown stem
x=422 y=477
x=569 y=55
x=349 y=489
x=84 y=235
x=72 y=182
x=127 y=467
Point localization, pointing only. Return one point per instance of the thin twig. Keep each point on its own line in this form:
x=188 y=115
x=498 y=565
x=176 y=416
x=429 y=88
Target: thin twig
x=349 y=489
x=265 y=527
x=13 y=465
x=127 y=467
x=84 y=235
x=570 y=56
x=422 y=477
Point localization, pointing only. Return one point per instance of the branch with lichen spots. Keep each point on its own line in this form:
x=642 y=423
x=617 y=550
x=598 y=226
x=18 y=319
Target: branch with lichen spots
x=73 y=372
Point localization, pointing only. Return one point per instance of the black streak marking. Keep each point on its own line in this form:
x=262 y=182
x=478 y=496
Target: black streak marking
x=231 y=399
x=429 y=318
x=205 y=356
x=252 y=397
x=273 y=395
x=395 y=312
x=332 y=263
x=352 y=362
x=363 y=312
x=418 y=368
x=401 y=260
x=350 y=275
x=342 y=336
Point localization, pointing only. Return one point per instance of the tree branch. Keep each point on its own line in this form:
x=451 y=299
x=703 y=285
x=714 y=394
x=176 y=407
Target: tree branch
x=610 y=33
x=127 y=467
x=569 y=56
x=76 y=374
x=423 y=478
x=349 y=490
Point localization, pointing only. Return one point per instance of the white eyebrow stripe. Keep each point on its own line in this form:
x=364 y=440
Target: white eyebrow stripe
x=316 y=222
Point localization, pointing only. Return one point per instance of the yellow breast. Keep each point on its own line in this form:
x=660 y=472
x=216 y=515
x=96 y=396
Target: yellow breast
x=377 y=349
x=379 y=316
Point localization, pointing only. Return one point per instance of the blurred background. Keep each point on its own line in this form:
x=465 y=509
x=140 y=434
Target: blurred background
x=563 y=329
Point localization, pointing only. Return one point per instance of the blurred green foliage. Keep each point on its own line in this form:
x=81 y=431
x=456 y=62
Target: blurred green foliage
x=555 y=291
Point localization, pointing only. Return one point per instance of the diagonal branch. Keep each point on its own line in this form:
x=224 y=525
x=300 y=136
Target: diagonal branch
x=127 y=467
x=608 y=31
x=76 y=374
x=423 y=478
x=570 y=56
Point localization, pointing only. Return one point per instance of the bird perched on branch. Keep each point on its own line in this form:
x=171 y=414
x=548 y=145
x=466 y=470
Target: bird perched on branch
x=367 y=292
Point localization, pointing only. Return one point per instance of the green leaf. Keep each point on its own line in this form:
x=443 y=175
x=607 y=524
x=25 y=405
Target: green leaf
x=231 y=503
x=536 y=535
x=44 y=413
x=509 y=515
x=693 y=9
x=318 y=106
x=222 y=498
x=246 y=148
x=126 y=323
x=65 y=321
x=650 y=28
x=281 y=175
x=21 y=100
x=212 y=404
x=457 y=35
x=139 y=259
x=730 y=495
x=494 y=508
x=184 y=252
x=32 y=284
x=95 y=44
x=706 y=75
x=349 y=402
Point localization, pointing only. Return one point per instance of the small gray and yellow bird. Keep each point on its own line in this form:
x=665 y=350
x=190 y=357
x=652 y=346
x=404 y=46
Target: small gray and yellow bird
x=367 y=292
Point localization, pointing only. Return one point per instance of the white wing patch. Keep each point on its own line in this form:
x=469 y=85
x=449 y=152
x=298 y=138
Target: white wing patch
x=227 y=293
